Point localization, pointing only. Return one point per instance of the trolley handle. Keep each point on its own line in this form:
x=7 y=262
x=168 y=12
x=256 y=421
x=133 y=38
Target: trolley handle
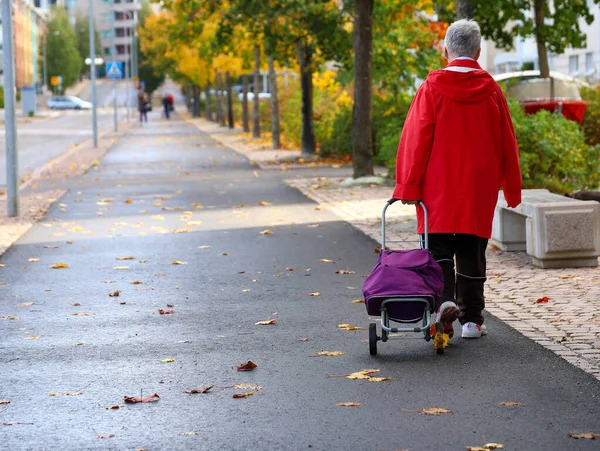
x=424 y=243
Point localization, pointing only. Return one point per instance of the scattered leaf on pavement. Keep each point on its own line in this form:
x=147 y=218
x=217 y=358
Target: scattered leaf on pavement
x=345 y=271
x=178 y=262
x=199 y=390
x=203 y=247
x=265 y=323
x=243 y=395
x=71 y=393
x=165 y=312
x=364 y=374
x=8 y=317
x=121 y=268
x=542 y=300
x=348 y=327
x=510 y=403
x=128 y=257
x=25 y=304
x=247 y=387
x=330 y=353
x=437 y=411
x=115 y=407
x=349 y=404
x=304 y=339
x=51 y=246
x=12 y=423
x=82 y=314
x=136 y=399
x=325 y=260
x=4 y=401
x=136 y=282
x=33 y=260
x=316 y=293
x=248 y=366
x=115 y=293
x=167 y=360
x=587 y=435
x=266 y=232
x=358 y=301
x=264 y=204
x=59 y=265
x=486 y=447
x=190 y=433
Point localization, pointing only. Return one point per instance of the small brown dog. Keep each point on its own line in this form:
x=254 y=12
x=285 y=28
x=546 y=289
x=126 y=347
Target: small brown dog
x=586 y=195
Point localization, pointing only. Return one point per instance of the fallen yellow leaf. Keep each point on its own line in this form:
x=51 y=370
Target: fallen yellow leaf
x=115 y=293
x=129 y=257
x=364 y=374
x=349 y=404
x=316 y=293
x=437 y=411
x=325 y=260
x=121 y=268
x=348 y=327
x=344 y=271
x=178 y=262
x=136 y=282
x=193 y=223
x=587 y=435
x=266 y=232
x=25 y=304
x=264 y=204
x=265 y=323
x=203 y=247
x=330 y=353
x=167 y=360
x=59 y=265
x=358 y=301
x=33 y=260
x=190 y=433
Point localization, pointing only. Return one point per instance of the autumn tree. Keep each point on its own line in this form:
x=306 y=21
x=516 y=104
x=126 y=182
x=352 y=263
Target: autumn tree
x=554 y=25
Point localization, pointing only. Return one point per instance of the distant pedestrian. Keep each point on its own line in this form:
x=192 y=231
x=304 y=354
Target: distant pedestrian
x=457 y=148
x=167 y=105
x=143 y=105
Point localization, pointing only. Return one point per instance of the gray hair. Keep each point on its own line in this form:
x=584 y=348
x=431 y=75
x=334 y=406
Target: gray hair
x=463 y=38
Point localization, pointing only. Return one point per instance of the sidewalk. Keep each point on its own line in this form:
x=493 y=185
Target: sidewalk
x=568 y=325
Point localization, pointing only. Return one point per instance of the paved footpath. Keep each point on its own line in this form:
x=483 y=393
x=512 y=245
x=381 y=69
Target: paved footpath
x=171 y=220
x=569 y=324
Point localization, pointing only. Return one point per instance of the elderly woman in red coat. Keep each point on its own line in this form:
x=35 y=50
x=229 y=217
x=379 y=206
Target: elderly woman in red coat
x=458 y=147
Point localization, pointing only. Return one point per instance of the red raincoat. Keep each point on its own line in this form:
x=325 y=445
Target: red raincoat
x=457 y=148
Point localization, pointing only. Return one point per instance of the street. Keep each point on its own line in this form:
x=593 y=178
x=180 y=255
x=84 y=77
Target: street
x=171 y=220
x=39 y=140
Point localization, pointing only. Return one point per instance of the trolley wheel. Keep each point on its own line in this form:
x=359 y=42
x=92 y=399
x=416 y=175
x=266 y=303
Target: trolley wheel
x=384 y=335
x=373 y=339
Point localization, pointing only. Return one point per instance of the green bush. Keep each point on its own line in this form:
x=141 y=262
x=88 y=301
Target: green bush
x=553 y=152
x=591 y=120
x=339 y=140
x=389 y=114
x=1 y=96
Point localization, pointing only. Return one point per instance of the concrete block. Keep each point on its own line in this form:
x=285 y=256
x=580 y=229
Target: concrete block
x=557 y=231
x=565 y=234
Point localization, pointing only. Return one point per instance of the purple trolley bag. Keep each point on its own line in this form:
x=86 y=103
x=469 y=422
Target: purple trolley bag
x=405 y=286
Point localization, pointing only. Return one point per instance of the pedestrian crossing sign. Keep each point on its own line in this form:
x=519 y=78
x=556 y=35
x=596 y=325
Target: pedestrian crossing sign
x=114 y=70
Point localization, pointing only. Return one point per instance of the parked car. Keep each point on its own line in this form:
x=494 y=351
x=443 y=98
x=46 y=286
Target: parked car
x=559 y=93
x=68 y=103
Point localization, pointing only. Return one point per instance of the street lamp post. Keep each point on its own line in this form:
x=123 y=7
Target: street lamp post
x=128 y=65
x=93 y=74
x=114 y=53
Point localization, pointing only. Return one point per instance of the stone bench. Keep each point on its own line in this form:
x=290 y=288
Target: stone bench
x=557 y=231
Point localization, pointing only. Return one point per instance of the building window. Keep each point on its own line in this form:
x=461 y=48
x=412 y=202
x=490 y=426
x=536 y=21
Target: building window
x=574 y=64
x=107 y=51
x=589 y=62
x=106 y=34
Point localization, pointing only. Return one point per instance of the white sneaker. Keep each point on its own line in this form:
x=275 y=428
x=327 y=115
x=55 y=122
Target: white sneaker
x=472 y=330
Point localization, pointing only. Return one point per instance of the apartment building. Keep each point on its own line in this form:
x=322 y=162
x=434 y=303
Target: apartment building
x=581 y=63
x=28 y=28
x=125 y=16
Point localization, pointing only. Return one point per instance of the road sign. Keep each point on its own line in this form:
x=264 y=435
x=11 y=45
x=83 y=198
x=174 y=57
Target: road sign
x=135 y=79
x=114 y=70
x=54 y=80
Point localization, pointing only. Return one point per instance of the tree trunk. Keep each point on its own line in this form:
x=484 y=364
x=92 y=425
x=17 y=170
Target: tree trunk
x=308 y=134
x=245 y=119
x=196 y=105
x=207 y=98
x=229 y=100
x=256 y=113
x=362 y=123
x=276 y=138
x=539 y=11
x=222 y=100
x=464 y=9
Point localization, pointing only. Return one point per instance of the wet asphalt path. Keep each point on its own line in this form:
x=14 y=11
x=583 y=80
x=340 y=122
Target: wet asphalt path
x=90 y=349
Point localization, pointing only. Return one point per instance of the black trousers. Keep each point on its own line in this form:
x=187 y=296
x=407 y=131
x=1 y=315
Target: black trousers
x=465 y=283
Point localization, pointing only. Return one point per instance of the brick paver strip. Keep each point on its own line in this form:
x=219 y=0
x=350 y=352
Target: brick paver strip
x=568 y=324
